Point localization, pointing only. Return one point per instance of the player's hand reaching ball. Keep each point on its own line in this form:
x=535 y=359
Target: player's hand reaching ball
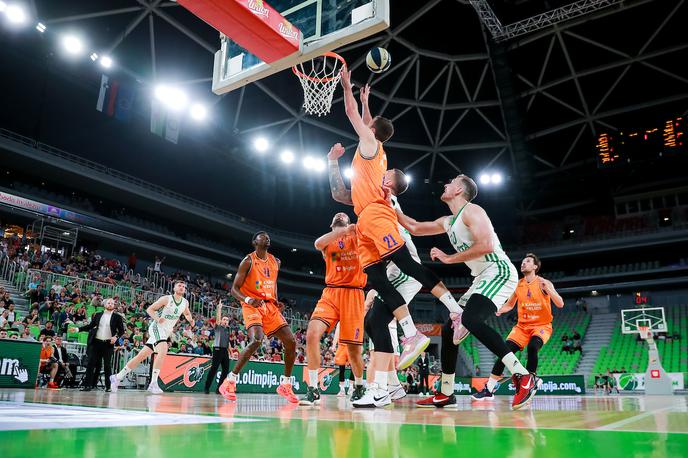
x=365 y=92
x=346 y=79
x=438 y=255
x=336 y=152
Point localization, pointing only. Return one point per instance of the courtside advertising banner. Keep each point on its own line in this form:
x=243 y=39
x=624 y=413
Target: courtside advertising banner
x=19 y=363
x=551 y=384
x=636 y=382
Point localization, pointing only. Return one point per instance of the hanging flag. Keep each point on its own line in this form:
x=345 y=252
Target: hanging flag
x=102 y=95
x=172 y=127
x=125 y=102
x=115 y=99
x=163 y=123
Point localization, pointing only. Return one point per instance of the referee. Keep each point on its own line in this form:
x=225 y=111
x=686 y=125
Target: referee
x=220 y=350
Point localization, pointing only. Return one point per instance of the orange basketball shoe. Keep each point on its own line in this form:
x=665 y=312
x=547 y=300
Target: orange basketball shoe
x=285 y=390
x=228 y=389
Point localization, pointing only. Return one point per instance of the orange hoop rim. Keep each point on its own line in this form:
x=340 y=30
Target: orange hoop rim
x=300 y=74
x=644 y=331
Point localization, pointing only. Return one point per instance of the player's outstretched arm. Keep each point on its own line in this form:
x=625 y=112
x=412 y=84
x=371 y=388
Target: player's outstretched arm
x=421 y=227
x=239 y=280
x=218 y=312
x=189 y=317
x=337 y=232
x=155 y=306
x=508 y=305
x=339 y=191
x=366 y=116
x=367 y=140
x=548 y=288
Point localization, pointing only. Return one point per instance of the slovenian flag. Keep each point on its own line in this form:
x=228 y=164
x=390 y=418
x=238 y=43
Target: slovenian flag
x=115 y=99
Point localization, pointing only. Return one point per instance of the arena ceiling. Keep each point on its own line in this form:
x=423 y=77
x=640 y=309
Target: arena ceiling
x=529 y=107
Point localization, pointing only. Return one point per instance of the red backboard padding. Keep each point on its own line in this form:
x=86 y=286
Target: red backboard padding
x=253 y=24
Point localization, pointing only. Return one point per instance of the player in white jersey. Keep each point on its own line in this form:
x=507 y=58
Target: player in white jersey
x=164 y=313
x=471 y=234
x=397 y=182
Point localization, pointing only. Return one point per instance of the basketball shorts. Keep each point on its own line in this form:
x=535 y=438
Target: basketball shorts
x=346 y=307
x=268 y=316
x=377 y=230
x=341 y=356
x=157 y=334
x=497 y=283
x=521 y=335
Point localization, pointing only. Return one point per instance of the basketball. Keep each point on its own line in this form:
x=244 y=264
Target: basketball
x=378 y=60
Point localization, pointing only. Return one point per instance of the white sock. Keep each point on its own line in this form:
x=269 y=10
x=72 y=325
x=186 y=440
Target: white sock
x=358 y=381
x=284 y=380
x=341 y=386
x=346 y=383
x=447 y=387
x=514 y=365
x=393 y=379
x=313 y=378
x=232 y=377
x=408 y=327
x=491 y=384
x=123 y=373
x=448 y=300
x=154 y=377
x=381 y=380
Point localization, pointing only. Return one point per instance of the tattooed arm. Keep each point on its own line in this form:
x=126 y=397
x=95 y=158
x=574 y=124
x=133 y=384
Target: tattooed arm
x=339 y=191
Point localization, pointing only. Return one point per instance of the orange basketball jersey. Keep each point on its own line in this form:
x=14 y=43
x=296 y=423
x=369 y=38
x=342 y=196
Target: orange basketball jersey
x=261 y=279
x=534 y=306
x=367 y=178
x=342 y=267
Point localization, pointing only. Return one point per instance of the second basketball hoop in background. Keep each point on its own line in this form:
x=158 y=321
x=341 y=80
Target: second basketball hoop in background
x=319 y=78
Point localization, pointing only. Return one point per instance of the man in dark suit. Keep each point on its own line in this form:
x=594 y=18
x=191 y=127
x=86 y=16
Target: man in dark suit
x=423 y=374
x=103 y=331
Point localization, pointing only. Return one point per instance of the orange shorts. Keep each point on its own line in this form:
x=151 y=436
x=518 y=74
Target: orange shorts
x=377 y=230
x=343 y=305
x=521 y=335
x=341 y=356
x=267 y=316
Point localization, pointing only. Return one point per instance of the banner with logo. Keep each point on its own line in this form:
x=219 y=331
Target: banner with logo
x=430 y=329
x=19 y=361
x=636 y=382
x=551 y=384
x=190 y=372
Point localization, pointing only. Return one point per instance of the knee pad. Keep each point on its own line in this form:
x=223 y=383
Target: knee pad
x=403 y=260
x=375 y=325
x=535 y=344
x=477 y=310
x=377 y=278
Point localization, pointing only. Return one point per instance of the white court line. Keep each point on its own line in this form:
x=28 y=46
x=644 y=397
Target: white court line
x=26 y=416
x=633 y=419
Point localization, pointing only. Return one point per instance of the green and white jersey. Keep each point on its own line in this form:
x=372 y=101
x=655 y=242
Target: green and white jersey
x=171 y=313
x=461 y=239
x=406 y=235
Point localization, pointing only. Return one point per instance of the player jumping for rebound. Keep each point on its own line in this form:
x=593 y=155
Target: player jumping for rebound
x=341 y=302
x=471 y=234
x=165 y=313
x=255 y=286
x=534 y=296
x=378 y=241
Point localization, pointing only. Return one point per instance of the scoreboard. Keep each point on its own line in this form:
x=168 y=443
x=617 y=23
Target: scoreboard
x=615 y=148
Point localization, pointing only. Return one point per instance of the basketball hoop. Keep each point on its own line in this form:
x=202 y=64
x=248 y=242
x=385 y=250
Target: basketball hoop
x=319 y=77
x=644 y=332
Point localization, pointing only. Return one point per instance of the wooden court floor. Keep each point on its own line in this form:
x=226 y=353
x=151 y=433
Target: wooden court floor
x=69 y=423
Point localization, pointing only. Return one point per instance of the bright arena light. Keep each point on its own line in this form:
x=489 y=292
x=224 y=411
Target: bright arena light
x=40 y=27
x=408 y=178
x=261 y=144
x=175 y=99
x=93 y=56
x=484 y=178
x=496 y=178
x=198 y=112
x=106 y=61
x=15 y=14
x=287 y=156
x=3 y=7
x=348 y=172
x=308 y=163
x=72 y=44
x=319 y=165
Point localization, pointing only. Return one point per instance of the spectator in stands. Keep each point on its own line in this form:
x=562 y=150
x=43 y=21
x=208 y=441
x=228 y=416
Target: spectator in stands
x=27 y=336
x=48 y=330
x=59 y=363
x=33 y=318
x=3 y=334
x=477 y=370
x=567 y=343
x=7 y=299
x=11 y=314
x=157 y=266
x=46 y=355
x=4 y=321
x=577 y=347
x=131 y=262
x=80 y=315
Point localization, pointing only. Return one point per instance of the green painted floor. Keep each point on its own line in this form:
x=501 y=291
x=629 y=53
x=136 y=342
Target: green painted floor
x=262 y=425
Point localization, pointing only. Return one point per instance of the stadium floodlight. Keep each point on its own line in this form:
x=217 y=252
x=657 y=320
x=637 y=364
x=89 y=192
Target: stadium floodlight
x=348 y=172
x=199 y=112
x=287 y=156
x=41 y=27
x=408 y=178
x=106 y=61
x=174 y=98
x=308 y=163
x=496 y=178
x=3 y=6
x=72 y=44
x=16 y=14
x=261 y=144
x=484 y=178
x=319 y=165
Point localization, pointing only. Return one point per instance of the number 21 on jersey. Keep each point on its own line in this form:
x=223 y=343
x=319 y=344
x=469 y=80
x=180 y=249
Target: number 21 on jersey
x=391 y=243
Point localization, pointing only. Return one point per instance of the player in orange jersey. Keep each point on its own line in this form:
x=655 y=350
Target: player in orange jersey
x=534 y=295
x=255 y=286
x=341 y=302
x=379 y=241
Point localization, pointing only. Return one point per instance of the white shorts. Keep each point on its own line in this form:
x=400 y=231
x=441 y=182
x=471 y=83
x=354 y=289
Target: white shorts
x=497 y=283
x=156 y=334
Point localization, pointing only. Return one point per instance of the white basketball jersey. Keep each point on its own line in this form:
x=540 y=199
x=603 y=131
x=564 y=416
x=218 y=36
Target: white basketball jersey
x=461 y=239
x=406 y=235
x=171 y=313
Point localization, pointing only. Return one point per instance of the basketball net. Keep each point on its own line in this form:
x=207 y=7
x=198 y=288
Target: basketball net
x=319 y=78
x=644 y=332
